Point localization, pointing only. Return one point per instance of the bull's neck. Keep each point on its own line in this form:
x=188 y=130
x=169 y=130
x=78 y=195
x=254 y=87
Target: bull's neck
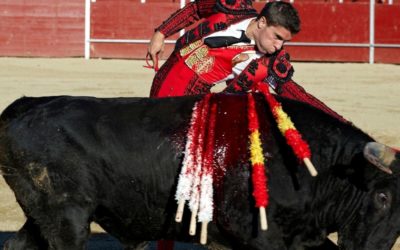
x=336 y=202
x=338 y=145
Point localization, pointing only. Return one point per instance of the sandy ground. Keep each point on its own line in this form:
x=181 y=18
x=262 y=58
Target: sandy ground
x=368 y=95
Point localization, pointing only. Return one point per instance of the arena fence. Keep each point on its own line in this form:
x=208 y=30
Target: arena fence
x=332 y=30
x=371 y=44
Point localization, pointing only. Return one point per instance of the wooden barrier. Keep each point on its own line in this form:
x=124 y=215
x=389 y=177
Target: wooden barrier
x=322 y=22
x=42 y=28
x=56 y=29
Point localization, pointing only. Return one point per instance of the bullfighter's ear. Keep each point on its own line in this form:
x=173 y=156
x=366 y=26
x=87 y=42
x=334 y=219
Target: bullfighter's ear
x=383 y=157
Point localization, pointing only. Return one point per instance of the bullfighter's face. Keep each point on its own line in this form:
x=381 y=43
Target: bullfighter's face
x=270 y=38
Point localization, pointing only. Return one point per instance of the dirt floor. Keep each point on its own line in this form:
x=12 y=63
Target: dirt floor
x=368 y=95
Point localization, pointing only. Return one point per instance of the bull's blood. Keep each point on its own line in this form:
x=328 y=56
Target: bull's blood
x=206 y=195
x=194 y=200
x=186 y=176
x=216 y=140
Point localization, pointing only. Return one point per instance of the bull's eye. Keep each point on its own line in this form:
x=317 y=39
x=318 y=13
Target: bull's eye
x=383 y=200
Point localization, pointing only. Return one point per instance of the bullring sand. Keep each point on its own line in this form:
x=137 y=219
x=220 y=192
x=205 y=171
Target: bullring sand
x=367 y=95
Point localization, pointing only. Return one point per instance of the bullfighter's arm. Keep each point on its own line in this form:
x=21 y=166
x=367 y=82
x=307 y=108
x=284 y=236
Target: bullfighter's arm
x=177 y=21
x=294 y=91
x=276 y=71
x=196 y=10
x=191 y=13
x=182 y=18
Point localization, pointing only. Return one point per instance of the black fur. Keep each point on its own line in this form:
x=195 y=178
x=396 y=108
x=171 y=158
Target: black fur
x=73 y=160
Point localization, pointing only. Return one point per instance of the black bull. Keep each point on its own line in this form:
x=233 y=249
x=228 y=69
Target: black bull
x=74 y=160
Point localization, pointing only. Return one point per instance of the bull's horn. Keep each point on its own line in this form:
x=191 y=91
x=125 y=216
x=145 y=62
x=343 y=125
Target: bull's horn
x=380 y=155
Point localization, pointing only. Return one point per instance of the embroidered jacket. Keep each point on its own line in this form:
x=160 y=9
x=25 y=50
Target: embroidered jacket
x=218 y=15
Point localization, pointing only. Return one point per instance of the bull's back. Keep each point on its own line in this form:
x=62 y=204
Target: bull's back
x=93 y=129
x=17 y=109
x=105 y=152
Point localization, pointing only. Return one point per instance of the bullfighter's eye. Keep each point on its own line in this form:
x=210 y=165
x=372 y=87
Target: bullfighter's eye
x=383 y=200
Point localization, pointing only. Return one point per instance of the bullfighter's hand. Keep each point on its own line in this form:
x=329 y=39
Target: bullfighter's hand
x=156 y=46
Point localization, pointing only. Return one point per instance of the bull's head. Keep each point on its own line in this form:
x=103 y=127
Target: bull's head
x=377 y=221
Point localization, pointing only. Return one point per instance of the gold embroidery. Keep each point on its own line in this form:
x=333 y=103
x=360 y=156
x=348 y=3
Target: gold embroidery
x=205 y=65
x=200 y=61
x=202 y=52
x=243 y=47
x=188 y=49
x=192 y=60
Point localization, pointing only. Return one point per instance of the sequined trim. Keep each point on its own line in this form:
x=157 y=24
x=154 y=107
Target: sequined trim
x=190 y=48
x=200 y=61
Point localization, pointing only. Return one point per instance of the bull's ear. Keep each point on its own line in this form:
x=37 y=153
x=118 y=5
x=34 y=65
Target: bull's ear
x=383 y=157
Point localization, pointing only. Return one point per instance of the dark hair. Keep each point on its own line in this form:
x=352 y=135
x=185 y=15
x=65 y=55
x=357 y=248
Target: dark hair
x=281 y=14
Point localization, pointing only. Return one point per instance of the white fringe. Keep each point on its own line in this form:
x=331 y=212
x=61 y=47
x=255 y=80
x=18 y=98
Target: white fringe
x=206 y=199
x=186 y=176
x=195 y=195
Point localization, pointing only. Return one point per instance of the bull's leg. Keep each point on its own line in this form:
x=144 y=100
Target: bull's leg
x=27 y=238
x=69 y=228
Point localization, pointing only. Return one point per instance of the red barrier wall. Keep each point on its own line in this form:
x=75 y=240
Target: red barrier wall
x=387 y=19
x=332 y=23
x=52 y=28
x=346 y=23
x=322 y=22
x=49 y=28
x=128 y=20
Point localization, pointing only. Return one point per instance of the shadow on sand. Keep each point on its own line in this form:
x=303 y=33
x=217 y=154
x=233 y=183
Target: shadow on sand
x=99 y=241
x=103 y=241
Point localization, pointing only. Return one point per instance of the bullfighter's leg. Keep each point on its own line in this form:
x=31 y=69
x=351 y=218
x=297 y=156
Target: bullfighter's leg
x=27 y=238
x=69 y=228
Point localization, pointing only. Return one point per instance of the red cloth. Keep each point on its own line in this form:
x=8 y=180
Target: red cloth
x=222 y=62
x=182 y=76
x=175 y=78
